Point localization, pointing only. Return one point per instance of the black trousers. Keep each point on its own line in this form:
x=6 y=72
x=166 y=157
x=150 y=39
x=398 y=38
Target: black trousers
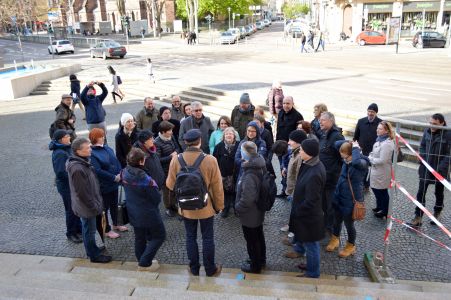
x=256 y=246
x=110 y=204
x=328 y=210
x=349 y=224
x=421 y=195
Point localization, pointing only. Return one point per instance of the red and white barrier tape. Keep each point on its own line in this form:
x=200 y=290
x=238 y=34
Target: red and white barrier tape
x=428 y=213
x=388 y=230
x=421 y=233
x=439 y=177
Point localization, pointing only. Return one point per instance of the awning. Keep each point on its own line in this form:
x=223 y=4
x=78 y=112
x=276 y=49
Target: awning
x=420 y=6
x=379 y=7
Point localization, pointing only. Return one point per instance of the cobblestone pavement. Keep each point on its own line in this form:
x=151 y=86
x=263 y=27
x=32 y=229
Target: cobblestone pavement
x=32 y=215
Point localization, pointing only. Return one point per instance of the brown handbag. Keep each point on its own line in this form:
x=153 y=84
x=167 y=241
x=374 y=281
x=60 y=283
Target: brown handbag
x=358 y=212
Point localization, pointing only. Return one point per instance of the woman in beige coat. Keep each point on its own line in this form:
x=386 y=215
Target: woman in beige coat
x=381 y=164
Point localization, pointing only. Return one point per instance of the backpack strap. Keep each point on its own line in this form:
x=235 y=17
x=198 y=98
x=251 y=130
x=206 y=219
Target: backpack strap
x=198 y=161
x=181 y=161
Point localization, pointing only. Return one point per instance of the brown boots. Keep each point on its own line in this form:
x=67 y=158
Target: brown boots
x=416 y=222
x=334 y=243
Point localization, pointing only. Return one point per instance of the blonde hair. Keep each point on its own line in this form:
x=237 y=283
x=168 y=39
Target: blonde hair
x=389 y=128
x=321 y=108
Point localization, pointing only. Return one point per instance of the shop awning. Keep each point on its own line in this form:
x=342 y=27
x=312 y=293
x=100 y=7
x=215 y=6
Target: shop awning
x=420 y=6
x=379 y=8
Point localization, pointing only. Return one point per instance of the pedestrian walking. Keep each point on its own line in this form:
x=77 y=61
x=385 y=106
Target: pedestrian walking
x=150 y=70
x=320 y=42
x=251 y=217
x=85 y=196
x=306 y=217
x=147 y=116
x=107 y=168
x=275 y=98
x=348 y=191
x=95 y=113
x=116 y=81
x=197 y=120
x=75 y=93
x=61 y=151
x=303 y=40
x=381 y=165
x=126 y=136
x=143 y=201
x=167 y=149
x=212 y=181
x=224 y=152
x=65 y=117
x=435 y=149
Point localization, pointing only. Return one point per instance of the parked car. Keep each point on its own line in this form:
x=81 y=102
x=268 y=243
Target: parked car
x=429 y=39
x=249 y=29
x=243 y=31
x=107 y=49
x=227 y=38
x=61 y=46
x=254 y=27
x=236 y=33
x=260 y=25
x=370 y=37
x=266 y=22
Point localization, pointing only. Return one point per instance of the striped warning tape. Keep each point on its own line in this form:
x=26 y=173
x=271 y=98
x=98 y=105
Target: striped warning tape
x=439 y=177
x=388 y=230
x=421 y=233
x=428 y=213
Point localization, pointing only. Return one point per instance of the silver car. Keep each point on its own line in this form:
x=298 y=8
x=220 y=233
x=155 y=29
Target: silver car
x=227 y=38
x=107 y=49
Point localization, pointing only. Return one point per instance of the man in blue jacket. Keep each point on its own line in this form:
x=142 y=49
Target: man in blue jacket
x=95 y=114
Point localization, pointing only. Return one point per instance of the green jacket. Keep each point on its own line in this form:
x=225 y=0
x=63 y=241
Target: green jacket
x=241 y=119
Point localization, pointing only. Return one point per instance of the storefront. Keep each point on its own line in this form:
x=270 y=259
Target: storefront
x=376 y=15
x=412 y=17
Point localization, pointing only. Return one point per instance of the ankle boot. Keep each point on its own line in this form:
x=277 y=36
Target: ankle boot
x=333 y=243
x=416 y=222
x=437 y=216
x=349 y=249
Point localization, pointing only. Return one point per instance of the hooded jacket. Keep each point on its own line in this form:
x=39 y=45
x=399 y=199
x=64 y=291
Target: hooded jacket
x=60 y=155
x=84 y=187
x=248 y=191
x=93 y=104
x=145 y=119
x=329 y=155
x=107 y=167
x=357 y=170
x=240 y=119
x=152 y=164
x=261 y=147
x=287 y=122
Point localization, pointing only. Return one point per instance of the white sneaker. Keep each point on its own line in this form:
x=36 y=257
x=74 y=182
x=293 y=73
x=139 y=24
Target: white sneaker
x=284 y=228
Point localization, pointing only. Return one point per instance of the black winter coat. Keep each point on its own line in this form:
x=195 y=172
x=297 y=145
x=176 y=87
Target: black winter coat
x=124 y=143
x=287 y=122
x=329 y=155
x=75 y=88
x=435 y=148
x=307 y=218
x=142 y=197
x=164 y=151
x=152 y=165
x=365 y=134
x=59 y=157
x=174 y=122
x=226 y=159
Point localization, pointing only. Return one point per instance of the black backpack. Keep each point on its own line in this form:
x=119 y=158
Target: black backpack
x=190 y=189
x=268 y=192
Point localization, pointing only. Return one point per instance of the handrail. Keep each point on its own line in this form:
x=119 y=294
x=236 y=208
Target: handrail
x=414 y=123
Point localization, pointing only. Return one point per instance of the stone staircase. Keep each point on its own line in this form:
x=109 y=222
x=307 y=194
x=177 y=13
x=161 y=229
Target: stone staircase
x=42 y=277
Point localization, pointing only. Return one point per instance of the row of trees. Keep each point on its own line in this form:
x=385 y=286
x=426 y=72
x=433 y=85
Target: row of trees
x=294 y=9
x=22 y=11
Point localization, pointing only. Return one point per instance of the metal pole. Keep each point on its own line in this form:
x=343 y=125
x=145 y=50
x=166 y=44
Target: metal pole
x=392 y=193
x=399 y=32
x=228 y=8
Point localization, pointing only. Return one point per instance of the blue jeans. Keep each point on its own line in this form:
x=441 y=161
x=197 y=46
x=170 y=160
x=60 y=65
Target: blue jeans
x=147 y=243
x=73 y=224
x=89 y=237
x=313 y=259
x=208 y=245
x=284 y=179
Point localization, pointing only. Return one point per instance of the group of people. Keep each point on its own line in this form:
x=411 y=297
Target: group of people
x=323 y=175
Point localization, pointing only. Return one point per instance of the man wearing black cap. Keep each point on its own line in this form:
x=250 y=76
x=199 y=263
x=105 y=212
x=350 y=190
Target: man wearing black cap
x=306 y=217
x=205 y=216
x=365 y=133
x=65 y=117
x=242 y=114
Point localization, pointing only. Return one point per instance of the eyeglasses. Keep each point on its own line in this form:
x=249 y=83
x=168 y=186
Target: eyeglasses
x=197 y=110
x=251 y=131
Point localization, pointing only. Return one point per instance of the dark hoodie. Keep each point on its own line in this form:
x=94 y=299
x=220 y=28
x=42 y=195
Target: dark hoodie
x=93 y=104
x=75 y=87
x=247 y=192
x=60 y=155
x=329 y=155
x=261 y=145
x=152 y=165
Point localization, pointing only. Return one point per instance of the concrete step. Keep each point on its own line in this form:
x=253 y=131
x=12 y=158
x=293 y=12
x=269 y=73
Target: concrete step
x=38 y=93
x=210 y=91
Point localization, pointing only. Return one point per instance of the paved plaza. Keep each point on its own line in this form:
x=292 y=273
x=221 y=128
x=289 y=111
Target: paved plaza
x=346 y=78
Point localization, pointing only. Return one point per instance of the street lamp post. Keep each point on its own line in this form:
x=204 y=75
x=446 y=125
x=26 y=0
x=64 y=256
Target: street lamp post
x=228 y=8
x=233 y=20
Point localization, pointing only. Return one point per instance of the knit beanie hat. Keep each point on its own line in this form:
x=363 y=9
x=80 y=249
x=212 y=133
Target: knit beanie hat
x=298 y=136
x=373 y=107
x=310 y=147
x=245 y=99
x=125 y=117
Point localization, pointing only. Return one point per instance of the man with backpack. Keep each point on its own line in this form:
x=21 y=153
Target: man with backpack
x=196 y=181
x=248 y=206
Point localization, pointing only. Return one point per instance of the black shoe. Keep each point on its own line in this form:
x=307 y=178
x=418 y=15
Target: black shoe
x=102 y=259
x=282 y=195
x=247 y=269
x=263 y=263
x=375 y=210
x=437 y=216
x=380 y=214
x=75 y=239
x=225 y=214
x=170 y=213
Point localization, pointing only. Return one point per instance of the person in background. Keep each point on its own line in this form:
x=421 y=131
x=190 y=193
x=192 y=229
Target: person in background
x=61 y=150
x=318 y=109
x=147 y=116
x=85 y=196
x=95 y=113
x=165 y=115
x=125 y=137
x=435 y=149
x=186 y=111
x=307 y=128
x=224 y=152
x=150 y=70
x=268 y=125
x=266 y=135
x=107 y=169
x=167 y=149
x=176 y=109
x=381 y=164
x=65 y=117
x=75 y=93
x=115 y=83
x=275 y=98
x=242 y=114
x=349 y=189
x=143 y=200
x=217 y=135
x=306 y=217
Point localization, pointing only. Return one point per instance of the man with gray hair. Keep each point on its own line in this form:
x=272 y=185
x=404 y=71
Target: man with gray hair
x=86 y=197
x=176 y=109
x=147 y=116
x=197 y=120
x=331 y=159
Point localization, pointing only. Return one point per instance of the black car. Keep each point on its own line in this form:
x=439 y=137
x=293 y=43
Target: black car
x=429 y=39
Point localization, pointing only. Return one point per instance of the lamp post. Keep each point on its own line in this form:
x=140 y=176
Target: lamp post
x=228 y=8
x=209 y=18
x=233 y=20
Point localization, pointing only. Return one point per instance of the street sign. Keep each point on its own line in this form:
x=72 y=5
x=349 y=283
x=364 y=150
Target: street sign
x=52 y=15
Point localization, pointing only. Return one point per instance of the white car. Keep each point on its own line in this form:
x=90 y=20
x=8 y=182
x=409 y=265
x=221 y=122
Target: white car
x=227 y=38
x=61 y=46
x=236 y=33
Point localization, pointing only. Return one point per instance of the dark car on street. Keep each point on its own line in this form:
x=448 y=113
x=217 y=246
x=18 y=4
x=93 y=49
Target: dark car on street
x=429 y=39
x=107 y=49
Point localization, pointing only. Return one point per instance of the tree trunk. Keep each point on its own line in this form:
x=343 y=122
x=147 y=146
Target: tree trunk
x=190 y=10
x=196 y=25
